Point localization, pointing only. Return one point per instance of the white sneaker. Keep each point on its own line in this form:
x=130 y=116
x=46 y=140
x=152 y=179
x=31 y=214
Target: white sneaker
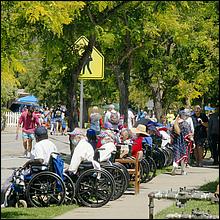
x=25 y=153
x=183 y=172
x=28 y=154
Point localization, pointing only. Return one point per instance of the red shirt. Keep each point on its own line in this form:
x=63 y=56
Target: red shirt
x=28 y=122
x=137 y=146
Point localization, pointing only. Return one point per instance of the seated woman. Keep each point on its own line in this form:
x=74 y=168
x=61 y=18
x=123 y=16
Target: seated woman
x=125 y=141
x=140 y=133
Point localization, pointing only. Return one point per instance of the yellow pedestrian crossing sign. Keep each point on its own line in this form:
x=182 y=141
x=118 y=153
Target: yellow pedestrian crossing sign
x=94 y=66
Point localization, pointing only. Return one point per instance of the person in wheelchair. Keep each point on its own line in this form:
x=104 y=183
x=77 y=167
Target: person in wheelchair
x=43 y=148
x=40 y=155
x=83 y=151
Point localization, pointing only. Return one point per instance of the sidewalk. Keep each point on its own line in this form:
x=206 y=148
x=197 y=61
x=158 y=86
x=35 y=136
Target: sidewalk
x=136 y=206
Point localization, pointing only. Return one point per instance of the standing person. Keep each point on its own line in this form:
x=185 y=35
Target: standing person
x=180 y=129
x=131 y=119
x=108 y=113
x=29 y=121
x=213 y=133
x=200 y=122
x=96 y=120
x=112 y=116
x=46 y=116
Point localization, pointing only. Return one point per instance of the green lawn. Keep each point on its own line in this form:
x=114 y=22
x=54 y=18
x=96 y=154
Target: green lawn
x=35 y=213
x=204 y=206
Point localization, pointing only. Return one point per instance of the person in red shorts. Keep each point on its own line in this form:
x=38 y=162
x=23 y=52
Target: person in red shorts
x=140 y=132
x=29 y=122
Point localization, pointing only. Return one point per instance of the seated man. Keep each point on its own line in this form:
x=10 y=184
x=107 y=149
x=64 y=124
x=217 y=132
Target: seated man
x=40 y=154
x=82 y=152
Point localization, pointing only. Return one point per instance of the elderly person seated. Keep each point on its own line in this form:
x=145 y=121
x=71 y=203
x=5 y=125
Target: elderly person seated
x=83 y=151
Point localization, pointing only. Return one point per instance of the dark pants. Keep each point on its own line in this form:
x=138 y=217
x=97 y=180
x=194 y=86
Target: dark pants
x=214 y=139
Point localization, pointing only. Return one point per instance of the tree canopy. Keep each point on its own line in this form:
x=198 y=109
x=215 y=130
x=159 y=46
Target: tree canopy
x=161 y=50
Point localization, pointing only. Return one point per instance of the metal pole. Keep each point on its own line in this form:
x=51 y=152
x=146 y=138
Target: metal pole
x=81 y=103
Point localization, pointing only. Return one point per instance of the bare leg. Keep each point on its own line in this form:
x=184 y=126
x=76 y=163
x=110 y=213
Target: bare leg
x=183 y=165
x=196 y=155
x=200 y=154
x=29 y=144
x=25 y=144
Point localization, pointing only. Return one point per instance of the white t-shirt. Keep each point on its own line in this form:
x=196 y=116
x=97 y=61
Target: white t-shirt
x=130 y=118
x=83 y=152
x=107 y=116
x=106 y=153
x=43 y=149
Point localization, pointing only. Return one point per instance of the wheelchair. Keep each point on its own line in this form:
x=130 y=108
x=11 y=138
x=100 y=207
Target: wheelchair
x=38 y=186
x=94 y=188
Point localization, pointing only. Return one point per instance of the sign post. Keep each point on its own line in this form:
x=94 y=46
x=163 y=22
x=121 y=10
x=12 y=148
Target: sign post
x=92 y=69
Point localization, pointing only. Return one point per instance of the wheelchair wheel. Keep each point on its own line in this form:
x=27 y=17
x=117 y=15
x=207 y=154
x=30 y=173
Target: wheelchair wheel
x=121 y=182
x=70 y=190
x=145 y=170
x=45 y=189
x=159 y=158
x=170 y=151
x=166 y=154
x=124 y=169
x=153 y=168
x=94 y=188
x=21 y=204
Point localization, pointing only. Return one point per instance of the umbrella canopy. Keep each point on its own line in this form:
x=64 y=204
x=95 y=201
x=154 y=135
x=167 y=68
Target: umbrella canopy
x=208 y=108
x=29 y=99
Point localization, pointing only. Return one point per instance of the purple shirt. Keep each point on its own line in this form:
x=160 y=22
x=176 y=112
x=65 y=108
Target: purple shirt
x=28 y=122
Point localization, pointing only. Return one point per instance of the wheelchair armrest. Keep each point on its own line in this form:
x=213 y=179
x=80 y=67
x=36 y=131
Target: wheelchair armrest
x=39 y=167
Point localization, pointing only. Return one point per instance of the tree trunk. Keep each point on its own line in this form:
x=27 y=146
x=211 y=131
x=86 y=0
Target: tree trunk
x=157 y=97
x=73 y=106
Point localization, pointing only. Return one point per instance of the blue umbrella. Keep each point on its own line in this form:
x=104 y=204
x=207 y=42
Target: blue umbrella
x=29 y=98
x=208 y=108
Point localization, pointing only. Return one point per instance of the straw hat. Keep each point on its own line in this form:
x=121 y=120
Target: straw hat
x=140 y=129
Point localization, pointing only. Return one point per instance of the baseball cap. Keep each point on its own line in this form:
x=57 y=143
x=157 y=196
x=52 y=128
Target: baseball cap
x=41 y=130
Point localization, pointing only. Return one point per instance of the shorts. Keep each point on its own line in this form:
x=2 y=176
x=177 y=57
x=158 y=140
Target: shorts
x=27 y=136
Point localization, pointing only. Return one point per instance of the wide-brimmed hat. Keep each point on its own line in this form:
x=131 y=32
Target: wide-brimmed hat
x=140 y=129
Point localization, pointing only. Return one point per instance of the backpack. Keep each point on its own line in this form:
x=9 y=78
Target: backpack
x=58 y=164
x=114 y=119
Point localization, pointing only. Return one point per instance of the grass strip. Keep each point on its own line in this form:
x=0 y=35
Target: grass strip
x=35 y=213
x=204 y=206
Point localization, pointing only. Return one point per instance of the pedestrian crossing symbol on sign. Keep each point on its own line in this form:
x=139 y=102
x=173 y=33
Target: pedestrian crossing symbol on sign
x=94 y=65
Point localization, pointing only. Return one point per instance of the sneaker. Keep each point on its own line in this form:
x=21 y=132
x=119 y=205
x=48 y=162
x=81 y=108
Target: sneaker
x=25 y=153
x=173 y=172
x=28 y=154
x=183 y=173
